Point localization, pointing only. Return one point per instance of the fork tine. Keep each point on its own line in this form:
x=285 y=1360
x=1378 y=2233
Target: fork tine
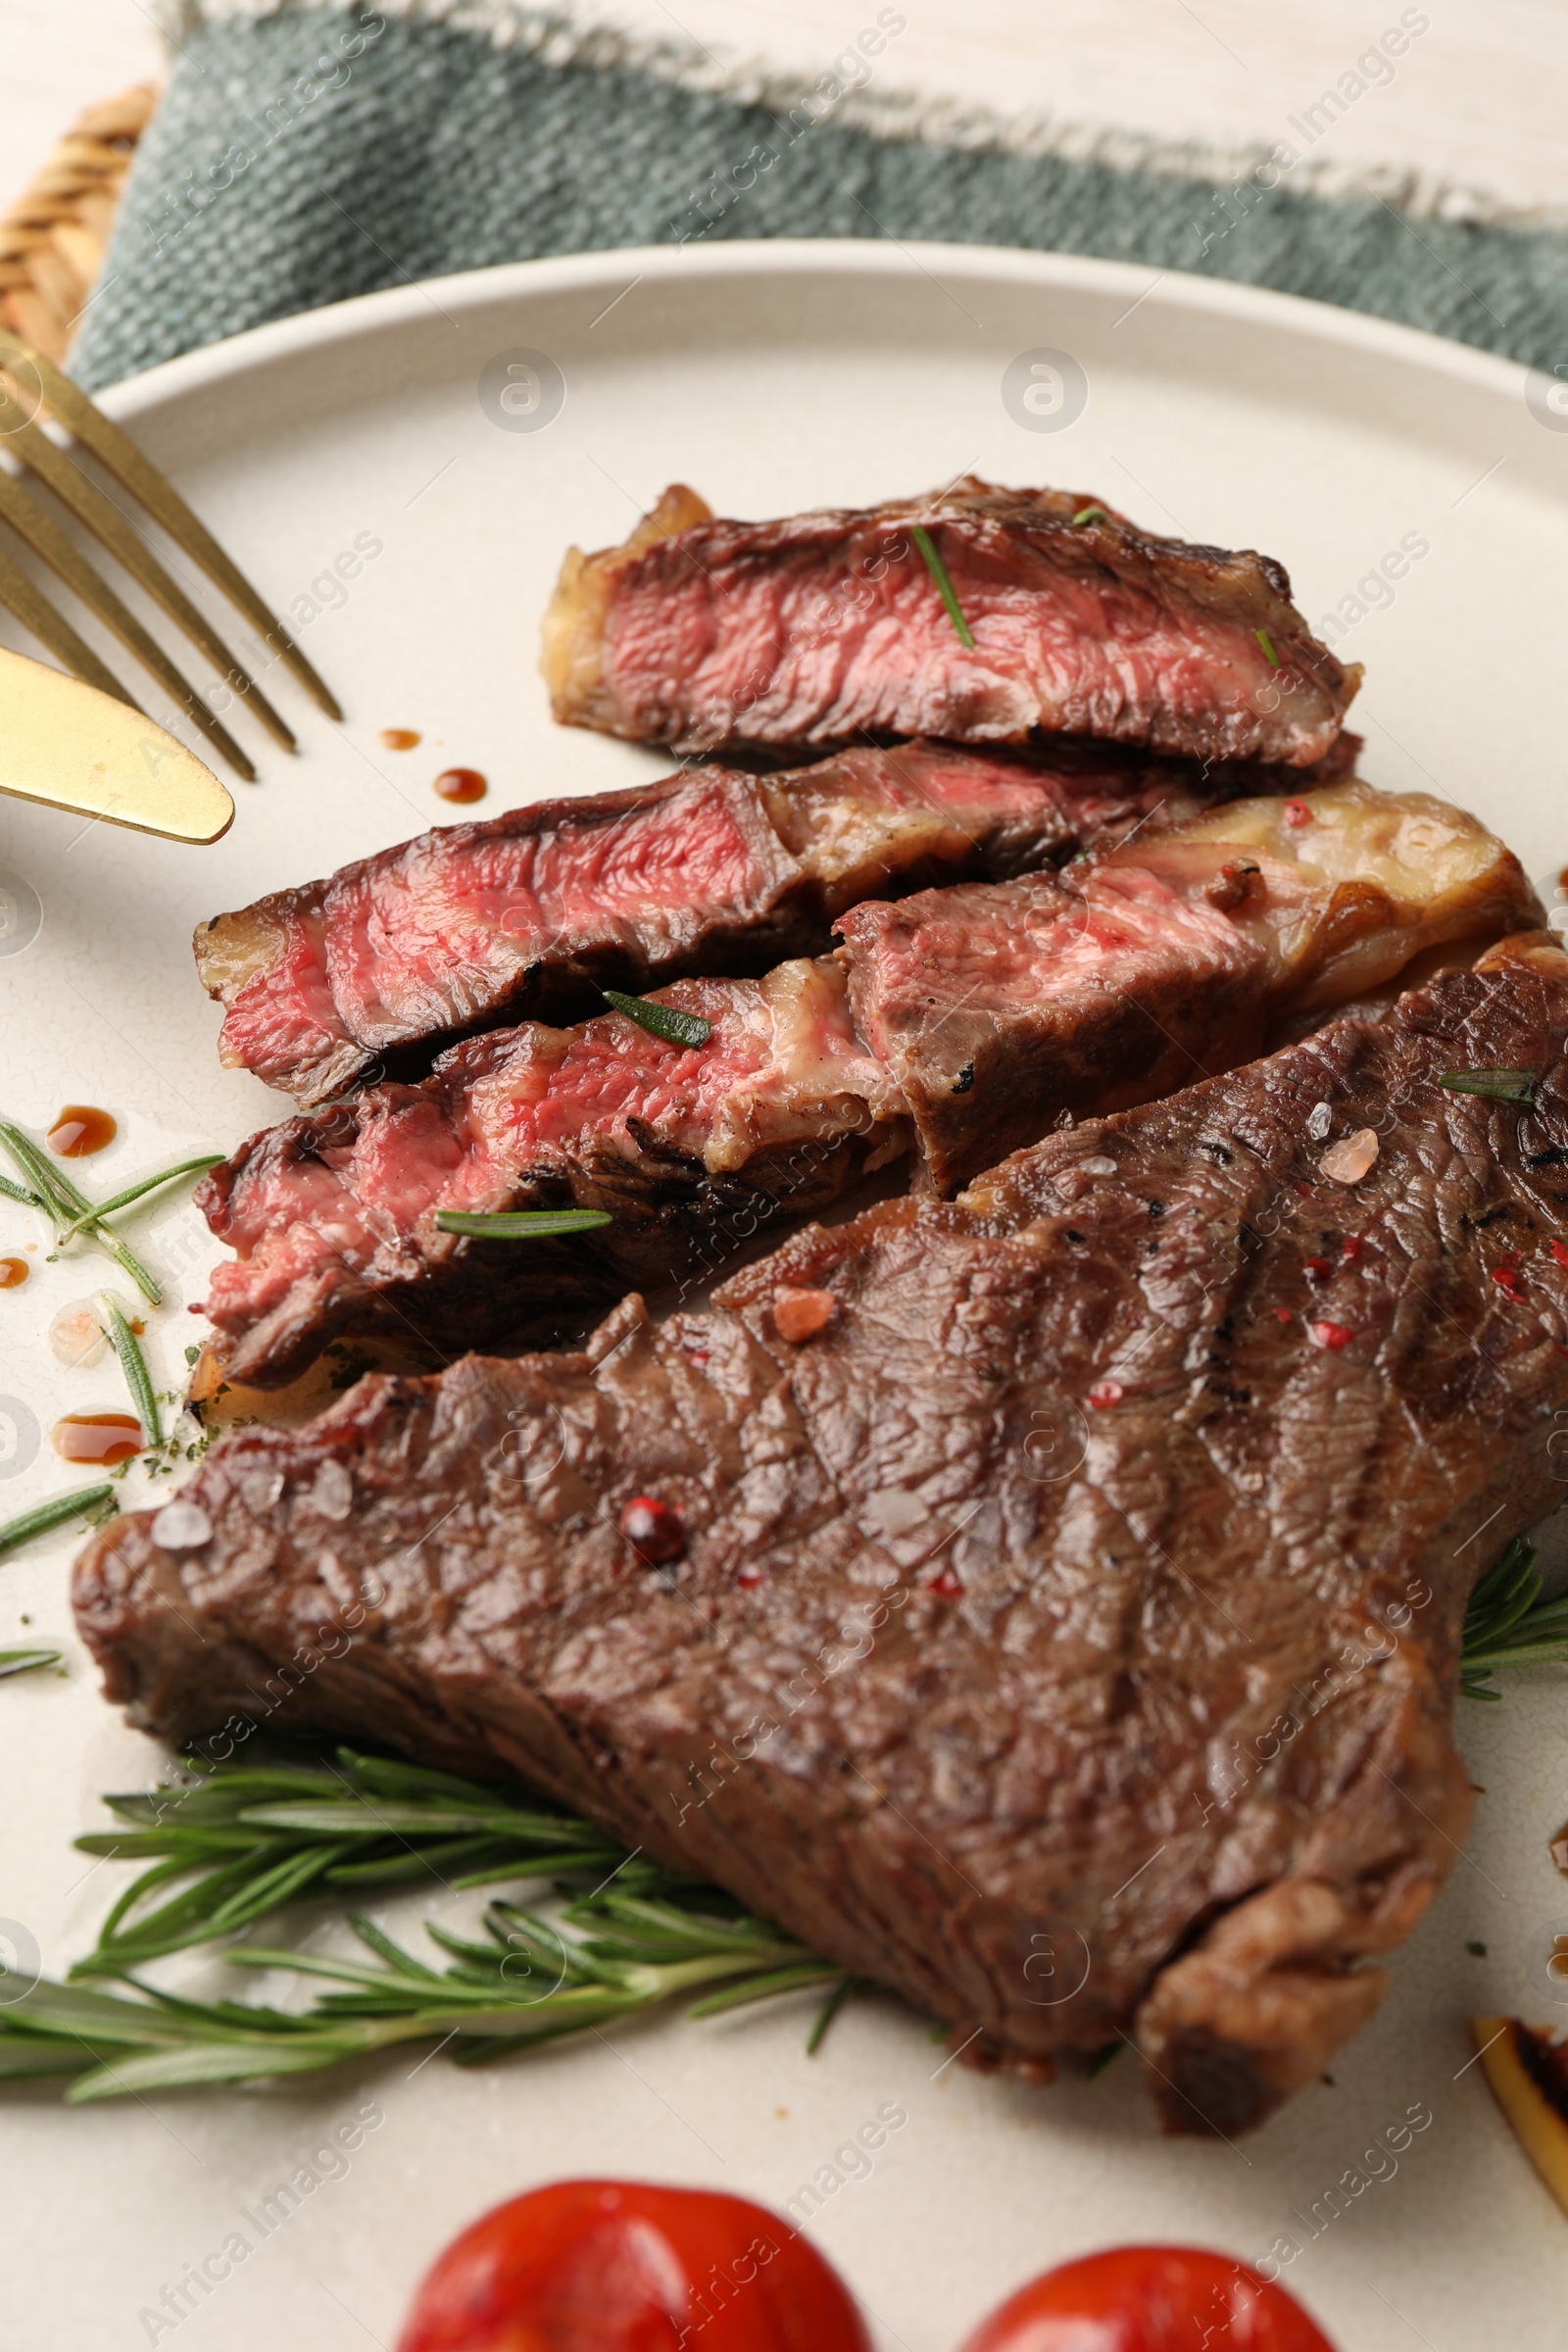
x=39 y=618
x=136 y=473
x=31 y=446
x=46 y=539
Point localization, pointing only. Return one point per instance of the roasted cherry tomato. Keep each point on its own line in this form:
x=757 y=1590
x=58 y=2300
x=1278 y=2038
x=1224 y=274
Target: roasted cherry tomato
x=612 y=2266
x=1150 y=2299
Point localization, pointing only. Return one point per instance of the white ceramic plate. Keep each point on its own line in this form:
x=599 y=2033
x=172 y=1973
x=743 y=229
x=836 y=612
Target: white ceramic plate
x=773 y=376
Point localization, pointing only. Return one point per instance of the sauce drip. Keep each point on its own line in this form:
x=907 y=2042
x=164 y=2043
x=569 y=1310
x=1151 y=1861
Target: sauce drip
x=399 y=739
x=80 y=1130
x=14 y=1272
x=461 y=784
x=101 y=1437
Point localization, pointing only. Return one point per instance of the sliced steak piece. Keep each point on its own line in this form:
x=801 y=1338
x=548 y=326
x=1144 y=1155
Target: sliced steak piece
x=334 y=1214
x=530 y=914
x=1161 y=962
x=1065 y=1633
x=980 y=1014
x=826 y=627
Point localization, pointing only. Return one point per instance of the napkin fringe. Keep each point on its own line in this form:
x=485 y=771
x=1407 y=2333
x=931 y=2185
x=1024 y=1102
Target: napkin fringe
x=1240 y=172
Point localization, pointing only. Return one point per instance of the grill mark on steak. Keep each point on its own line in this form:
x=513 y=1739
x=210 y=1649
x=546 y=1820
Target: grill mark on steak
x=979 y=1013
x=1002 y=1626
x=821 y=627
x=527 y=915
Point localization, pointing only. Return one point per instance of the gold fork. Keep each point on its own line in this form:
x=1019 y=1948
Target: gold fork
x=29 y=383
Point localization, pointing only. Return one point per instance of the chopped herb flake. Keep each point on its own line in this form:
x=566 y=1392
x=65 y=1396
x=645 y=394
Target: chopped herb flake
x=666 y=1021
x=1267 y=643
x=45 y=1515
x=939 y=572
x=26 y=1661
x=1088 y=514
x=133 y=1364
x=522 y=1224
x=1502 y=1086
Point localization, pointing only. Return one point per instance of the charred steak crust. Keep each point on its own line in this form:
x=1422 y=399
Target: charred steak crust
x=701 y=632
x=1067 y=1635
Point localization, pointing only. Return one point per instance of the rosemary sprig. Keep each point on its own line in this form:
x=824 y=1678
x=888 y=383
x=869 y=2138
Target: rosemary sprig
x=1088 y=514
x=133 y=1364
x=668 y=1022
x=26 y=1661
x=245 y=1839
x=1267 y=643
x=64 y=1203
x=45 y=1515
x=136 y=1192
x=521 y=1224
x=939 y=572
x=1509 y=1624
x=1502 y=1086
x=526 y=1983
x=250 y=1837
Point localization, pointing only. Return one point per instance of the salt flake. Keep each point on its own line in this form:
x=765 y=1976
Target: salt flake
x=333 y=1492
x=1349 y=1161
x=181 y=1527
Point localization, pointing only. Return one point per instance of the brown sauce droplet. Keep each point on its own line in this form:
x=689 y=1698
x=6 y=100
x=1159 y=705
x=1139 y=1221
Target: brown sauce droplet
x=399 y=739
x=461 y=784
x=14 y=1272
x=80 y=1130
x=101 y=1437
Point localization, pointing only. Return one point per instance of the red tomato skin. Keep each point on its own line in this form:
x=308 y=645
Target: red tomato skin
x=1150 y=2299
x=622 y=2266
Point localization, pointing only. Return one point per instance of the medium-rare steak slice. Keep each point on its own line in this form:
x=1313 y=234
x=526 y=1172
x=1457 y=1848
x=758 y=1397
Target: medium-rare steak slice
x=992 y=1011
x=961 y=1020
x=1064 y=1635
x=829 y=626
x=530 y=914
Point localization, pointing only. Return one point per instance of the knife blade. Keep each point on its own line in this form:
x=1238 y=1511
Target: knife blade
x=70 y=747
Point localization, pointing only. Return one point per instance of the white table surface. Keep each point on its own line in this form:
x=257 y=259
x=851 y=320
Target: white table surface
x=1477 y=99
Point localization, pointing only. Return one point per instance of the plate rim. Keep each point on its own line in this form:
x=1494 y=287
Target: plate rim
x=1224 y=300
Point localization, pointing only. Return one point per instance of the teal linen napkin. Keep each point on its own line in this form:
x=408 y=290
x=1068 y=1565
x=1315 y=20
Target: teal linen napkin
x=302 y=154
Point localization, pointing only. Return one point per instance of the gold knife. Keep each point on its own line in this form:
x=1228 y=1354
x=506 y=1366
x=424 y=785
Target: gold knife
x=70 y=747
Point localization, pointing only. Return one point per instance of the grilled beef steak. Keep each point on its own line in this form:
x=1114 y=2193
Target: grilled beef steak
x=961 y=1020
x=825 y=627
x=530 y=914
x=1066 y=1633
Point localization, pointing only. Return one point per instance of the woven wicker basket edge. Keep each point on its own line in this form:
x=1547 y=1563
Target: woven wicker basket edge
x=53 y=238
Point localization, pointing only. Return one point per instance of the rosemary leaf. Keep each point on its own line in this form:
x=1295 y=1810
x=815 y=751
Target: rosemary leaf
x=1088 y=514
x=829 y=2011
x=1502 y=1086
x=763 y=1989
x=1267 y=643
x=135 y=1192
x=1509 y=1624
x=939 y=572
x=133 y=1364
x=26 y=1661
x=45 y=1515
x=522 y=1224
x=63 y=1202
x=666 y=1021
x=19 y=1191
